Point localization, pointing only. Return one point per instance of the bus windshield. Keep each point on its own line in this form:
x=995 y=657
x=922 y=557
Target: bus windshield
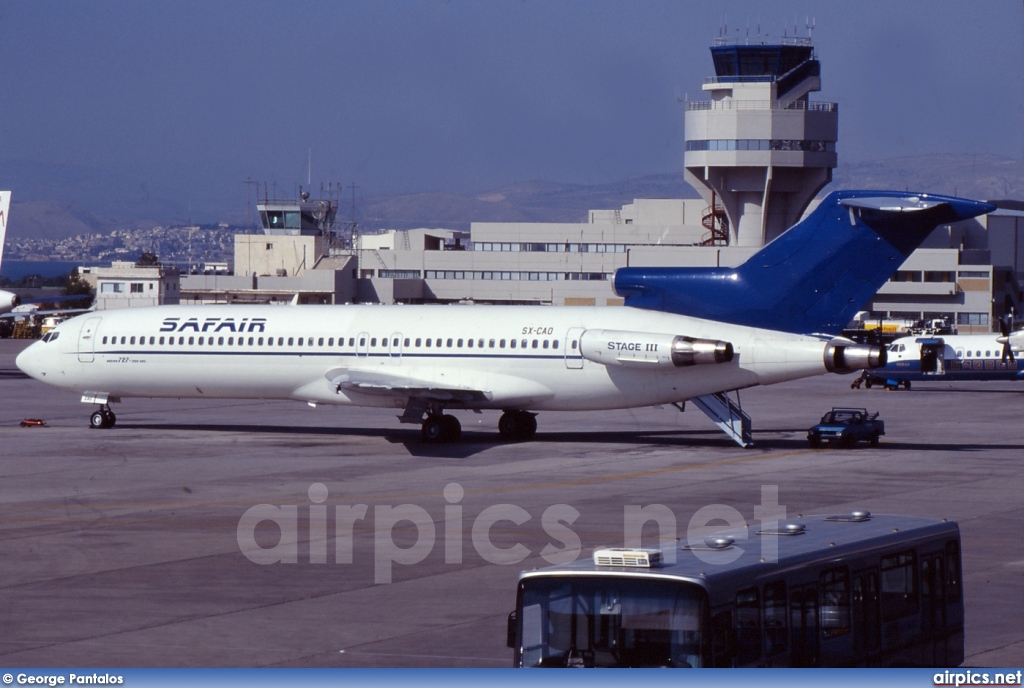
x=610 y=622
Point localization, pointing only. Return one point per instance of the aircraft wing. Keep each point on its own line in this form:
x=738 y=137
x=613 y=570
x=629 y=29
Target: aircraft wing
x=399 y=385
x=58 y=311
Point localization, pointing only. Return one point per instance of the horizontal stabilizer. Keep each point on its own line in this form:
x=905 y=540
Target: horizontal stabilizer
x=815 y=276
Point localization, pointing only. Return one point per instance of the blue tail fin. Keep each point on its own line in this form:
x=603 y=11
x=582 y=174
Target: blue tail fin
x=814 y=277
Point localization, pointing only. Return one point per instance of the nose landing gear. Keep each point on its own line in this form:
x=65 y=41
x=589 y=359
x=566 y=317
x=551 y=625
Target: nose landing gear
x=103 y=418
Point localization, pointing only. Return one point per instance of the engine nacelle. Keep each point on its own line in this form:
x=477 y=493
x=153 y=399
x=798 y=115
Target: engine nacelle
x=617 y=347
x=845 y=356
x=8 y=301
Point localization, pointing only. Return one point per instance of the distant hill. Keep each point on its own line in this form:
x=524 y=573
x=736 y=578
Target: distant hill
x=977 y=176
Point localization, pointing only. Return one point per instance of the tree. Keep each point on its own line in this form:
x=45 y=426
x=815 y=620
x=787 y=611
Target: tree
x=74 y=285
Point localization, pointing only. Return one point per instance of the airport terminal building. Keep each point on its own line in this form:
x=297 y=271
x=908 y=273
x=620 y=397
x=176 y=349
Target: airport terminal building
x=758 y=150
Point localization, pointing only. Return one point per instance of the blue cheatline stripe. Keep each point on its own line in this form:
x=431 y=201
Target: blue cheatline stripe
x=325 y=354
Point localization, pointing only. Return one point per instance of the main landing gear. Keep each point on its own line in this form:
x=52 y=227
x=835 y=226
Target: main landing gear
x=513 y=426
x=439 y=427
x=103 y=418
x=517 y=425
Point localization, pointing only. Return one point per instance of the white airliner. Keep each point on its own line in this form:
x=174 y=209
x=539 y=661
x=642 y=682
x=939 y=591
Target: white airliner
x=8 y=300
x=684 y=334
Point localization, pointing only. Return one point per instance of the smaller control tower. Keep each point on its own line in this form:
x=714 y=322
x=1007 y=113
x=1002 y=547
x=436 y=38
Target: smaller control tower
x=760 y=149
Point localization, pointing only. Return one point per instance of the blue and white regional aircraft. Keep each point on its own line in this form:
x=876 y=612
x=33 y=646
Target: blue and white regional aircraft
x=684 y=334
x=948 y=358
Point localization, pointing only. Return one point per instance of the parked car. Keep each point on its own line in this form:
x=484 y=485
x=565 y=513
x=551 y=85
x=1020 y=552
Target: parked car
x=847 y=426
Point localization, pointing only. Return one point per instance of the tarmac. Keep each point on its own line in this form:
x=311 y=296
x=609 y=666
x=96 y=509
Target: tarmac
x=164 y=541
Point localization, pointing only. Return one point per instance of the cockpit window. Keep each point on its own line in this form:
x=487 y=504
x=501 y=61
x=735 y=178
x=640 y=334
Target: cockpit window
x=50 y=336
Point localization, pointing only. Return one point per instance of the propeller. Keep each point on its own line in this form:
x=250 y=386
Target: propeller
x=1006 y=329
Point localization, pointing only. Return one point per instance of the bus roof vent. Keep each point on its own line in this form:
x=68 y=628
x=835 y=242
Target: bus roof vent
x=713 y=544
x=852 y=517
x=785 y=529
x=626 y=556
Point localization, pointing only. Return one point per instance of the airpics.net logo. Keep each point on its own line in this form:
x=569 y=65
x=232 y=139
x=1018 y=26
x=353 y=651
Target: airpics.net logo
x=335 y=526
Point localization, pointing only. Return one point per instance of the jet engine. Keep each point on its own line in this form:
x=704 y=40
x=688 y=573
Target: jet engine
x=617 y=347
x=846 y=356
x=8 y=301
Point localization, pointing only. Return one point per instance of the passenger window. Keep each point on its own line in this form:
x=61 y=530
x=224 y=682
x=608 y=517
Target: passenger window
x=406 y=342
x=899 y=585
x=952 y=570
x=191 y=340
x=394 y=342
x=534 y=344
x=220 y=341
x=259 y=342
x=490 y=344
x=300 y=341
x=513 y=343
x=123 y=340
x=373 y=341
x=776 y=633
x=449 y=343
x=104 y=340
x=545 y=343
x=351 y=341
x=291 y=341
x=428 y=342
x=747 y=624
x=574 y=343
x=480 y=343
x=280 y=341
x=834 y=603
x=419 y=342
x=161 y=341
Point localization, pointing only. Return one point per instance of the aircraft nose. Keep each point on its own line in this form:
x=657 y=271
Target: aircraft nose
x=28 y=361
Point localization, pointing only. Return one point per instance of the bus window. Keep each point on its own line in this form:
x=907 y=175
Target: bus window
x=867 y=623
x=748 y=627
x=834 y=603
x=899 y=585
x=952 y=571
x=776 y=632
x=607 y=622
x=803 y=617
x=933 y=591
x=722 y=646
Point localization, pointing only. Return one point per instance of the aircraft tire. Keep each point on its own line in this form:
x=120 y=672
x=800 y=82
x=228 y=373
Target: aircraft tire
x=110 y=418
x=517 y=426
x=432 y=430
x=451 y=428
x=98 y=420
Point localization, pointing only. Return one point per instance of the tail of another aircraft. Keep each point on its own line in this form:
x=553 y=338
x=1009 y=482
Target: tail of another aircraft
x=814 y=277
x=5 y=206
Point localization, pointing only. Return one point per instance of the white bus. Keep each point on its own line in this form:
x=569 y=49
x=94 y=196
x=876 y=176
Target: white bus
x=844 y=591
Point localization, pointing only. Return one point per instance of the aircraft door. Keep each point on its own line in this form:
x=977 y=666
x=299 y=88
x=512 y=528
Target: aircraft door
x=932 y=358
x=395 y=348
x=573 y=357
x=87 y=340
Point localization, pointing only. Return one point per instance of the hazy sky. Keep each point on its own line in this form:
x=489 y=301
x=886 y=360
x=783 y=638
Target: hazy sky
x=186 y=100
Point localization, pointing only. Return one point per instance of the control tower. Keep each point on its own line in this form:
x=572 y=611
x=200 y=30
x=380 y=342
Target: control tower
x=760 y=149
